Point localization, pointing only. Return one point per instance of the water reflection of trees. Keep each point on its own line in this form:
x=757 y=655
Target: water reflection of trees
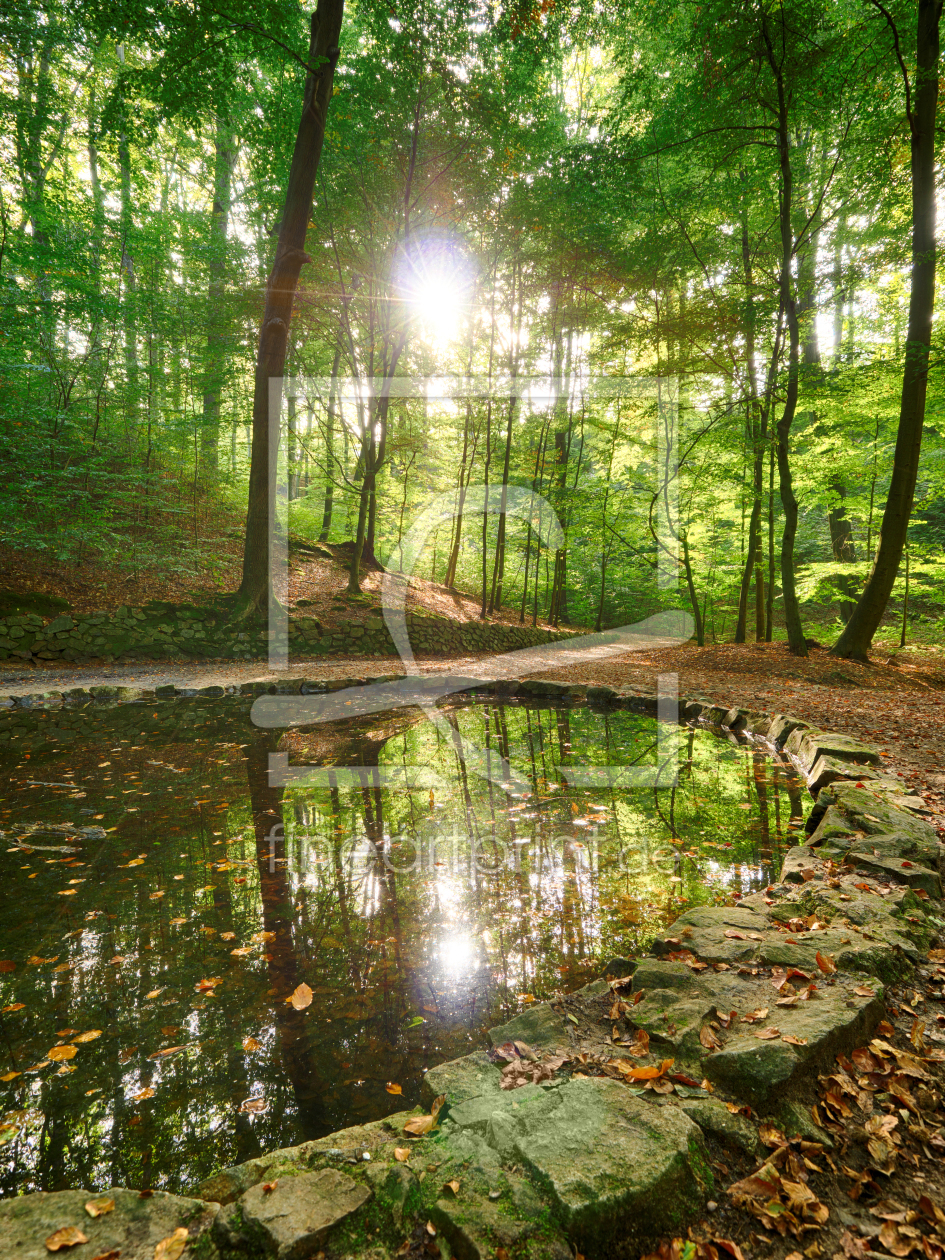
x=384 y=941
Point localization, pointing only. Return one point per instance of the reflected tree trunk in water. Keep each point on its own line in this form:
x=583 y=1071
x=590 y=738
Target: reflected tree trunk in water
x=298 y=1054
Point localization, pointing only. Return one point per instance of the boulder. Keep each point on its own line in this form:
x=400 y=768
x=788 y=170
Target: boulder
x=132 y=1229
x=290 y=1218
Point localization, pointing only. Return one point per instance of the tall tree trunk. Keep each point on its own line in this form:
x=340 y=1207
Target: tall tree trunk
x=224 y=160
x=756 y=427
x=280 y=292
x=792 y=611
x=858 y=633
x=328 y=509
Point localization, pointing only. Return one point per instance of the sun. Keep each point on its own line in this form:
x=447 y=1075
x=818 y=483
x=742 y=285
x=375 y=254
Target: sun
x=437 y=282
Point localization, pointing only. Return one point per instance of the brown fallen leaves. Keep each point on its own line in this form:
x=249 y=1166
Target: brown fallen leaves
x=417 y=1126
x=99 y=1207
x=69 y=1236
x=301 y=997
x=710 y=1248
x=777 y=1193
x=172 y=1247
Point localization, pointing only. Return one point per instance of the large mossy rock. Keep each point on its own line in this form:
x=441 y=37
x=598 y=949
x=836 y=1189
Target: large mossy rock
x=132 y=1229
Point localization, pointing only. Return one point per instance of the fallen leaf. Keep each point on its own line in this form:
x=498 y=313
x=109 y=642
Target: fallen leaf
x=250 y=1044
x=10 y=1076
x=177 y=922
x=401 y=1154
x=826 y=963
x=418 y=1125
x=58 y=1053
x=7 y=965
x=755 y=1017
x=863 y=990
x=302 y=997
x=204 y=985
x=98 y=1207
x=69 y=1236
x=166 y=1054
x=91 y=1035
x=253 y=1106
x=16 y=1006
x=794 y=1041
x=451 y=1185
x=708 y=1038
x=269 y=1186
x=172 y=1247
x=431 y=1229
x=392 y=1088
x=108 y=1255
x=227 y=936
x=259 y=937
x=142 y=1094
x=241 y=951
x=768 y=1034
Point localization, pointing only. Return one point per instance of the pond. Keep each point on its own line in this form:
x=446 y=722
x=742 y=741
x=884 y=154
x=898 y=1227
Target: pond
x=200 y=964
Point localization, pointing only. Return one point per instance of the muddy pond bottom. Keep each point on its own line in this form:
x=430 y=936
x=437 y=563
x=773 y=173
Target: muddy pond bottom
x=217 y=941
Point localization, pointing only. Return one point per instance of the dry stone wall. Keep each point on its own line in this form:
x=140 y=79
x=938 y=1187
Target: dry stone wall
x=159 y=631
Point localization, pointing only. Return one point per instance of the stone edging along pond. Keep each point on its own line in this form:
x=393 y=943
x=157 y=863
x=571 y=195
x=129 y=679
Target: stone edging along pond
x=579 y=1154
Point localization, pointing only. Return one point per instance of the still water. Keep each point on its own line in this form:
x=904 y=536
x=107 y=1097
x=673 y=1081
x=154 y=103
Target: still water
x=148 y=963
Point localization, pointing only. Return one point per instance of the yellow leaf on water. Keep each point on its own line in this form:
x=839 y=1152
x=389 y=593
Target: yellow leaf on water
x=10 y=1076
x=242 y=951
x=177 y=922
x=142 y=1094
x=166 y=1054
x=259 y=937
x=253 y=1105
x=302 y=997
x=208 y=984
x=153 y=994
x=172 y=1247
x=91 y=1035
x=392 y=1088
x=98 y=1207
x=67 y=892
x=17 y=1006
x=135 y=862
x=155 y=895
x=227 y=936
x=58 y=1053
x=250 y=1044
x=70 y=1236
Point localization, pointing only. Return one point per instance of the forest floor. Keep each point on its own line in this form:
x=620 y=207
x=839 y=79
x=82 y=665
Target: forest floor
x=318 y=578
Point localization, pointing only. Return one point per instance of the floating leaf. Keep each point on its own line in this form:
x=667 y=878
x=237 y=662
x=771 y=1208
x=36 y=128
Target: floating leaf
x=98 y=1207
x=10 y=1076
x=172 y=1247
x=392 y=1088
x=16 y=1006
x=142 y=1094
x=253 y=1106
x=155 y=895
x=7 y=965
x=70 y=1236
x=177 y=922
x=259 y=937
x=166 y=1054
x=250 y=1044
x=58 y=1053
x=67 y=892
x=302 y=997
x=91 y=1035
x=153 y=994
x=241 y=951
x=204 y=985
x=227 y=936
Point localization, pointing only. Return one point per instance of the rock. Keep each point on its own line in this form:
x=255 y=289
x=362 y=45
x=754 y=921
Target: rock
x=616 y=968
x=808 y=744
x=895 y=867
x=782 y=725
x=292 y=1220
x=795 y=1121
x=462 y=1078
x=826 y=770
x=702 y=931
x=712 y=1116
x=613 y=1165
x=133 y=1229
x=538 y=1026
x=800 y=864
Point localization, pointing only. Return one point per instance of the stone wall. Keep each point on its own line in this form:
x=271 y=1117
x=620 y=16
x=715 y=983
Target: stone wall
x=164 y=630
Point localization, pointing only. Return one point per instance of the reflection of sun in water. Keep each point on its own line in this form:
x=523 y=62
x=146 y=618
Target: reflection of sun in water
x=458 y=955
